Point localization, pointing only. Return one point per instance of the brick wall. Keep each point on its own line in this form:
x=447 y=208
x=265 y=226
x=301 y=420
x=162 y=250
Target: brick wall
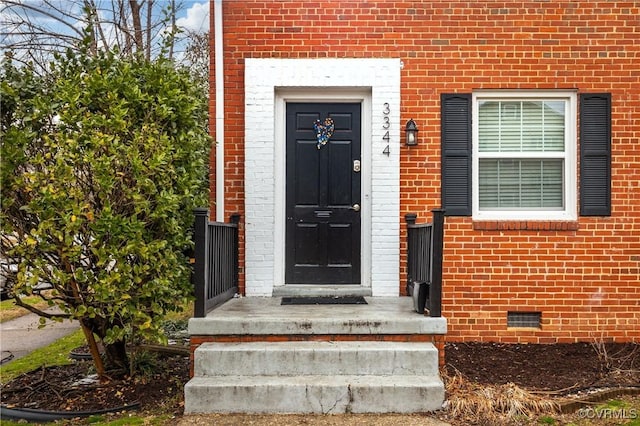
x=584 y=277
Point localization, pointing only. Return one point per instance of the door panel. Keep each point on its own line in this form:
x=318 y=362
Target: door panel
x=307 y=172
x=341 y=168
x=305 y=253
x=322 y=230
x=340 y=238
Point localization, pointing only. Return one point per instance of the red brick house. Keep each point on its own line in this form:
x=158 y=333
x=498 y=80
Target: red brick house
x=528 y=128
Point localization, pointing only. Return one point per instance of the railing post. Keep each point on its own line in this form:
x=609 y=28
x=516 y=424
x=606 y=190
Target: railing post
x=435 y=290
x=200 y=258
x=235 y=219
x=410 y=218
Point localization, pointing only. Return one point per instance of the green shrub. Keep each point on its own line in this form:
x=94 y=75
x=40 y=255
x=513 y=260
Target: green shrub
x=103 y=161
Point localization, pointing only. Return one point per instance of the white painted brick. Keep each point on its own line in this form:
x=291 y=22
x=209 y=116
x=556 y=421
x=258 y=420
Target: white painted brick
x=262 y=77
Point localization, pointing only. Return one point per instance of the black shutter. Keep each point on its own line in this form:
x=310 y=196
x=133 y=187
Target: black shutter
x=456 y=154
x=595 y=154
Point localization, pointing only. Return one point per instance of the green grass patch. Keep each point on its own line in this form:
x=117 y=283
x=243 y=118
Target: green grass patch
x=613 y=404
x=133 y=420
x=12 y=423
x=56 y=353
x=9 y=310
x=622 y=410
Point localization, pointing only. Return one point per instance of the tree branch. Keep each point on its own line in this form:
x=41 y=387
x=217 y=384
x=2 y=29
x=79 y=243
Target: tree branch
x=42 y=11
x=18 y=301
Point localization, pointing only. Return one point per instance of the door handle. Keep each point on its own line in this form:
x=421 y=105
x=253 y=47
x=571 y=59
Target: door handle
x=355 y=207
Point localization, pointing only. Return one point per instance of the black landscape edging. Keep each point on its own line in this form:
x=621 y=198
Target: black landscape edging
x=34 y=415
x=587 y=401
x=80 y=356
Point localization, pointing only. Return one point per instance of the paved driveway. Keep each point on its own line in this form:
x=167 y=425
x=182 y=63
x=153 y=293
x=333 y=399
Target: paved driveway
x=21 y=336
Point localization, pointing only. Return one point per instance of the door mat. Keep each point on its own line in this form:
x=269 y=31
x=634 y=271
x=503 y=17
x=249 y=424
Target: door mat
x=345 y=300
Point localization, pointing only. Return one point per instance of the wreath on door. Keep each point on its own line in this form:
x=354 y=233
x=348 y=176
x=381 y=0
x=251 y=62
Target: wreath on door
x=324 y=130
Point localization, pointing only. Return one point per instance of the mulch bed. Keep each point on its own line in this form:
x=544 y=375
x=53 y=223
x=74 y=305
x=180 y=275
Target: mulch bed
x=66 y=388
x=567 y=368
x=564 y=367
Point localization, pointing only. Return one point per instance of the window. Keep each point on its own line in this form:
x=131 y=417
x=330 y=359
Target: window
x=521 y=147
x=523 y=157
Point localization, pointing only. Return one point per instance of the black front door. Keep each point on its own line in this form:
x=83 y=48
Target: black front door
x=323 y=195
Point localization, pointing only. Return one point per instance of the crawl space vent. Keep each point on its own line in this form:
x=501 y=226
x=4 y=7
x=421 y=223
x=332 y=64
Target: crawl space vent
x=524 y=319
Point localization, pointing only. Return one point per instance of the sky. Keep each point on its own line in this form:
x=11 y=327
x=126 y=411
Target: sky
x=194 y=15
x=26 y=23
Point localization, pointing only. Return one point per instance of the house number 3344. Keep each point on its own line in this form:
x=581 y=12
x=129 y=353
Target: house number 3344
x=385 y=126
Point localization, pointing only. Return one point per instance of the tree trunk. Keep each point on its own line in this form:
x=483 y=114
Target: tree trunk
x=115 y=354
x=137 y=25
x=147 y=51
x=93 y=348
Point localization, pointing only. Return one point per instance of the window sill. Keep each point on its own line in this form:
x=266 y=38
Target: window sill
x=525 y=225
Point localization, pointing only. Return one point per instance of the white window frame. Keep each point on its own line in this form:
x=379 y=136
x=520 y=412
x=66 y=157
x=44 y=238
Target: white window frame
x=570 y=211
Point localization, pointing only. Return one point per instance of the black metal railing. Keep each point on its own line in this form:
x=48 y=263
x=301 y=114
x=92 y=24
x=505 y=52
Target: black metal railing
x=215 y=269
x=424 y=258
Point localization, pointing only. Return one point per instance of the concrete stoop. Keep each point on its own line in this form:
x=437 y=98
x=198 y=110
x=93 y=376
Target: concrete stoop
x=315 y=377
x=246 y=369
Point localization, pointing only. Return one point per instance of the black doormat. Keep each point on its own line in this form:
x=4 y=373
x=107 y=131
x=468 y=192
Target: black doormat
x=346 y=300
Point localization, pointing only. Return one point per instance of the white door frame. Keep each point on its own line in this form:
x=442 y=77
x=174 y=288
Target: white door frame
x=283 y=96
x=269 y=84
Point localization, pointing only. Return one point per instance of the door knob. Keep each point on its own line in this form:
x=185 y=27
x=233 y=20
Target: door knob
x=356 y=207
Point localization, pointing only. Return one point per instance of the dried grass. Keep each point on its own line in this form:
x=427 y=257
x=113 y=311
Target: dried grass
x=492 y=404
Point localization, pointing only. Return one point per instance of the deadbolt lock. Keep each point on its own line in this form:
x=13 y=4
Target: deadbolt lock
x=356 y=166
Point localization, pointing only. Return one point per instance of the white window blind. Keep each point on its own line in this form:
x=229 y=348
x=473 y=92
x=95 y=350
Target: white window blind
x=520 y=183
x=521 y=150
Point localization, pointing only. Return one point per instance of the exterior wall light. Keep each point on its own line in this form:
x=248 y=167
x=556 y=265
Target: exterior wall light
x=411 y=131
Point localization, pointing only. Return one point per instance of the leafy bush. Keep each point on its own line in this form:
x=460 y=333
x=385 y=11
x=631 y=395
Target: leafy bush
x=103 y=161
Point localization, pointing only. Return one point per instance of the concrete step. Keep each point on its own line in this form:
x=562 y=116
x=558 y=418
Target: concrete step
x=316 y=358
x=345 y=374
x=264 y=316
x=313 y=394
